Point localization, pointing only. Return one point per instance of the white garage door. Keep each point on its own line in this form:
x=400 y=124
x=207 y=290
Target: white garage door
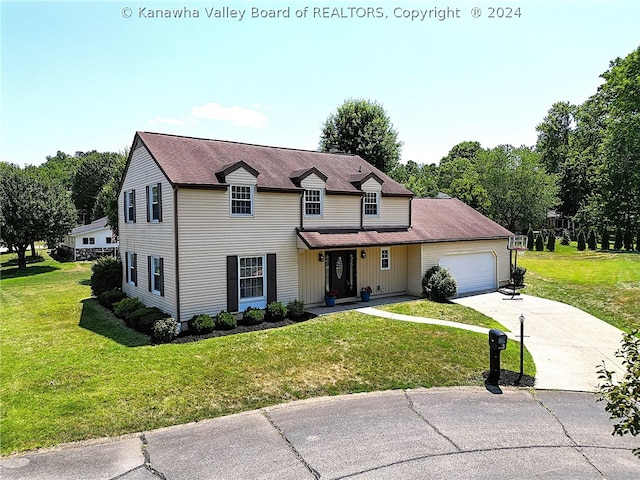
x=474 y=272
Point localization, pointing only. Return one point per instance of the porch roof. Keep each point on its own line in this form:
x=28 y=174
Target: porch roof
x=344 y=238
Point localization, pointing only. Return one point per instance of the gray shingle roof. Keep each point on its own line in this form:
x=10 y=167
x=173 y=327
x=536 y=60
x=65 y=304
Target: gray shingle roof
x=95 y=225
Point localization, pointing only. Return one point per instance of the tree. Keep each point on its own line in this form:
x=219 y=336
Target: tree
x=539 y=242
x=617 y=245
x=606 y=239
x=465 y=150
x=32 y=208
x=362 y=127
x=530 y=239
x=582 y=243
x=628 y=240
x=551 y=242
x=592 y=241
x=107 y=200
x=420 y=179
x=553 y=135
x=623 y=397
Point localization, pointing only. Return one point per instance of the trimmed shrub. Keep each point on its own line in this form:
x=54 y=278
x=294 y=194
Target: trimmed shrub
x=606 y=238
x=517 y=275
x=592 y=242
x=252 y=316
x=133 y=319
x=441 y=285
x=628 y=240
x=276 y=312
x=147 y=321
x=551 y=242
x=617 y=245
x=638 y=241
x=295 y=309
x=427 y=276
x=225 y=321
x=125 y=307
x=108 y=298
x=539 y=243
x=566 y=237
x=164 y=330
x=106 y=275
x=202 y=323
x=582 y=243
x=530 y=240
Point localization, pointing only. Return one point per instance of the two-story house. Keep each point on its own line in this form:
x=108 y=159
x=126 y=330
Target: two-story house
x=209 y=225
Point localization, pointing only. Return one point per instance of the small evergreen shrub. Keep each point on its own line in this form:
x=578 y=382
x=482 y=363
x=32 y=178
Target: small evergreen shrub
x=295 y=309
x=276 y=312
x=125 y=307
x=618 y=241
x=441 y=286
x=133 y=319
x=225 y=321
x=551 y=242
x=427 y=276
x=638 y=241
x=582 y=243
x=628 y=240
x=539 y=243
x=144 y=321
x=252 y=316
x=106 y=275
x=566 y=237
x=606 y=239
x=530 y=239
x=164 y=330
x=201 y=324
x=108 y=298
x=517 y=275
x=592 y=242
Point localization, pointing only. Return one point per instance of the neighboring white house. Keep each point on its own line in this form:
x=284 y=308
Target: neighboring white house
x=209 y=225
x=88 y=242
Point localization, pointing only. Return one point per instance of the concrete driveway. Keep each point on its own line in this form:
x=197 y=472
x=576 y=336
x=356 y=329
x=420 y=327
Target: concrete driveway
x=566 y=343
x=439 y=433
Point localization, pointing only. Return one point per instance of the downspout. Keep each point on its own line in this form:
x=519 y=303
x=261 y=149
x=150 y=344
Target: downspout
x=302 y=211
x=362 y=212
x=411 y=210
x=176 y=252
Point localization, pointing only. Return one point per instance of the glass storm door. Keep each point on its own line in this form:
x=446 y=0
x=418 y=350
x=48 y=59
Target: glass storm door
x=341 y=272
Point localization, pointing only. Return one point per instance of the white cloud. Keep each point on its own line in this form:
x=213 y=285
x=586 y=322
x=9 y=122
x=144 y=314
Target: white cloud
x=238 y=116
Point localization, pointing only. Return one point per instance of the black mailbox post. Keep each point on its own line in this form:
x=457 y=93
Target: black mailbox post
x=497 y=343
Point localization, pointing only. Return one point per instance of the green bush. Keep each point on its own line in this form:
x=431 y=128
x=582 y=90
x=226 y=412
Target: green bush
x=276 y=312
x=628 y=240
x=252 y=316
x=606 y=239
x=295 y=309
x=582 y=242
x=638 y=241
x=147 y=321
x=441 y=285
x=106 y=275
x=164 y=330
x=517 y=275
x=133 y=319
x=108 y=298
x=618 y=241
x=530 y=240
x=551 y=242
x=125 y=307
x=592 y=241
x=539 y=242
x=427 y=276
x=202 y=323
x=566 y=237
x=225 y=321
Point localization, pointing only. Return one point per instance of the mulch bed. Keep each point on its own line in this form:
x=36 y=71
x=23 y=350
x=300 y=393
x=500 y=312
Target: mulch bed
x=186 y=337
x=510 y=379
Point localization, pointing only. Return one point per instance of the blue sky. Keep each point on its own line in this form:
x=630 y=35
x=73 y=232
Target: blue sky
x=81 y=75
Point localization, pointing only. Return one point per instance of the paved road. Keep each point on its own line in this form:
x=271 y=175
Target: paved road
x=448 y=433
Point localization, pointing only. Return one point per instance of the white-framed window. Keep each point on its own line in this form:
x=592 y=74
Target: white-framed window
x=153 y=203
x=385 y=259
x=156 y=275
x=85 y=240
x=251 y=277
x=371 y=203
x=313 y=203
x=130 y=206
x=132 y=268
x=241 y=200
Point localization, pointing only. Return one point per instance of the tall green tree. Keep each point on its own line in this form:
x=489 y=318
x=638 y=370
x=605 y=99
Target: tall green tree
x=362 y=127
x=32 y=208
x=553 y=135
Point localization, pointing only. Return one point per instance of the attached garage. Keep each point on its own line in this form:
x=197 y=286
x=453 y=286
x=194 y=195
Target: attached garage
x=474 y=272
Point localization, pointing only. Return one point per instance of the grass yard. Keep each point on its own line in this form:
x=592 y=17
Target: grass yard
x=72 y=371
x=605 y=284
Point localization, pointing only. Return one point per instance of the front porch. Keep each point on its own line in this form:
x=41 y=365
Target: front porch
x=354 y=305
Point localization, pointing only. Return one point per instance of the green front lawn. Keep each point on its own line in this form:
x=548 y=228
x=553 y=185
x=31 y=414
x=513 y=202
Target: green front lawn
x=605 y=284
x=71 y=371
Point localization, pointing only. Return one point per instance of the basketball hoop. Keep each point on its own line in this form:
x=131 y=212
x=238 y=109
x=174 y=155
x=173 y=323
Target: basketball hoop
x=517 y=243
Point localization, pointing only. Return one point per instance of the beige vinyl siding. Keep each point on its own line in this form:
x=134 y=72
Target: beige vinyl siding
x=338 y=211
x=311 y=277
x=432 y=252
x=414 y=269
x=208 y=234
x=148 y=239
x=313 y=181
x=389 y=281
x=241 y=177
x=394 y=212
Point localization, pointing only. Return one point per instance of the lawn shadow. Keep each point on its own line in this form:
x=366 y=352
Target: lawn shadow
x=101 y=321
x=28 y=272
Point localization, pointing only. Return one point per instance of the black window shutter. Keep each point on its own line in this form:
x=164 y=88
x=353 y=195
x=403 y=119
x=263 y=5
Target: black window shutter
x=161 y=277
x=159 y=202
x=135 y=269
x=148 y=205
x=232 y=283
x=126 y=264
x=272 y=284
x=133 y=194
x=126 y=207
x=150 y=276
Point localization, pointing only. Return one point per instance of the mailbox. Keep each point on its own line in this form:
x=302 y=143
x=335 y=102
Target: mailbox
x=497 y=339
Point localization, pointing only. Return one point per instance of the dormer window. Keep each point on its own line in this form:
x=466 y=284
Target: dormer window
x=241 y=200
x=371 y=204
x=313 y=203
